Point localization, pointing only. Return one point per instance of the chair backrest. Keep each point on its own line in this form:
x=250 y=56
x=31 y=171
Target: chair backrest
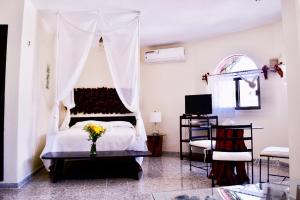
x=232 y=138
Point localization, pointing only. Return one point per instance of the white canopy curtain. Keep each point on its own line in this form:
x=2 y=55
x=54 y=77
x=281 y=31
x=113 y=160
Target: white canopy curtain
x=76 y=32
x=122 y=52
x=222 y=85
x=223 y=95
x=74 y=40
x=222 y=88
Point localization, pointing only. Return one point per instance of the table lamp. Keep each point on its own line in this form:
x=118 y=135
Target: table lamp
x=155 y=117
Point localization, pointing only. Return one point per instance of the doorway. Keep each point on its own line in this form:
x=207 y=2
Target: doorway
x=3 y=47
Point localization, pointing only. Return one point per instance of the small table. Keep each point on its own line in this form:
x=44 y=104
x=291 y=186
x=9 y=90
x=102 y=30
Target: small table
x=58 y=158
x=154 y=143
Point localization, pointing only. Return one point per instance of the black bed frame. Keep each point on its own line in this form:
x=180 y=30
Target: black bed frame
x=104 y=164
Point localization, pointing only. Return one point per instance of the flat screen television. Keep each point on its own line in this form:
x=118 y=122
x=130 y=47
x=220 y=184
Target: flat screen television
x=198 y=104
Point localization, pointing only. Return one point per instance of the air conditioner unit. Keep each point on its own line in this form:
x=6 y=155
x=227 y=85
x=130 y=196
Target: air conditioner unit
x=165 y=55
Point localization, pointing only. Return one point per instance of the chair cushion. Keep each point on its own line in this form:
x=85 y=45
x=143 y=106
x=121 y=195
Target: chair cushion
x=282 y=152
x=232 y=156
x=203 y=143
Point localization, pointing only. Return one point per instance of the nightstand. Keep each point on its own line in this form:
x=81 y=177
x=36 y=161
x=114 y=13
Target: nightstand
x=154 y=143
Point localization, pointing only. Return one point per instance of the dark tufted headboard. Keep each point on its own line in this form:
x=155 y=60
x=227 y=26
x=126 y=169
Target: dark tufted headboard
x=99 y=100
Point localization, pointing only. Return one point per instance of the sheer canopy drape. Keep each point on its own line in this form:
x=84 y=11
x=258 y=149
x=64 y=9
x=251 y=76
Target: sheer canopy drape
x=76 y=32
x=223 y=95
x=73 y=46
x=121 y=47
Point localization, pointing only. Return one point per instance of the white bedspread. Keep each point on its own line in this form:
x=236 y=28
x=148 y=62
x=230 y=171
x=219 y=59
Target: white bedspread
x=119 y=135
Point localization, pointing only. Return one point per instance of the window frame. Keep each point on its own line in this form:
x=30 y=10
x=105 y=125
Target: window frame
x=237 y=96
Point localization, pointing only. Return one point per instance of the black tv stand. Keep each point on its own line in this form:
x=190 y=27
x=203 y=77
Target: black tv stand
x=186 y=122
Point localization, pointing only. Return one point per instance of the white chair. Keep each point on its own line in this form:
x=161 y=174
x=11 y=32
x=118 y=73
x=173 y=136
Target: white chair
x=205 y=145
x=273 y=152
x=201 y=142
x=233 y=154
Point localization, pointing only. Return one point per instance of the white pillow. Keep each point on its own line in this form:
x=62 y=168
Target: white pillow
x=83 y=123
x=107 y=125
x=121 y=124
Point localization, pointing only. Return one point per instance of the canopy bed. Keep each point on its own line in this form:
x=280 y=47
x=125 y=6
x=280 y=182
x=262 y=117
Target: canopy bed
x=75 y=33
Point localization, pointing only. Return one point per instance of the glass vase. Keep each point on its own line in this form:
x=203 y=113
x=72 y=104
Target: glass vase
x=93 y=150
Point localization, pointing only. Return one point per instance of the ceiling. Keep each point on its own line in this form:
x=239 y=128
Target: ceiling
x=178 y=21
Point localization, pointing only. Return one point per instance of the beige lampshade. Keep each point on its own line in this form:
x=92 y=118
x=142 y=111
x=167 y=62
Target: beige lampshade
x=155 y=117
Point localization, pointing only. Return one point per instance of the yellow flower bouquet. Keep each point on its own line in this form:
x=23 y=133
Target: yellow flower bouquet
x=95 y=131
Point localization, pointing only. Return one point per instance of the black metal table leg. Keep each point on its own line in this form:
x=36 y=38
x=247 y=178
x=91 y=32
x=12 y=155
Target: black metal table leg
x=180 y=138
x=268 y=169
x=260 y=170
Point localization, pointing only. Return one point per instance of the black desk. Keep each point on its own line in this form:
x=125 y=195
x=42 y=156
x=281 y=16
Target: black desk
x=186 y=121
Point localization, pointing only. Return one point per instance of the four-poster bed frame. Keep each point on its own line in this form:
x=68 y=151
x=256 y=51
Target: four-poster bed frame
x=107 y=161
x=74 y=39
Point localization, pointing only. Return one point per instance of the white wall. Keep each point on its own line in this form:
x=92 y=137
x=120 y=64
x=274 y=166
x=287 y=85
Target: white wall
x=28 y=136
x=36 y=101
x=23 y=139
x=45 y=54
x=11 y=14
x=291 y=27
x=96 y=72
x=163 y=86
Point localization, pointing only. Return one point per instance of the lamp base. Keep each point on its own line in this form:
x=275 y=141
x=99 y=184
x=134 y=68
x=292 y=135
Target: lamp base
x=155 y=130
x=155 y=133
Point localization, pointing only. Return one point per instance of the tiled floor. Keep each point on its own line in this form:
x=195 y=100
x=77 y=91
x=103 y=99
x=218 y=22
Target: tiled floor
x=160 y=174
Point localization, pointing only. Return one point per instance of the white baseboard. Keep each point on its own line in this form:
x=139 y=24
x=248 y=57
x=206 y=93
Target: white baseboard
x=23 y=182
